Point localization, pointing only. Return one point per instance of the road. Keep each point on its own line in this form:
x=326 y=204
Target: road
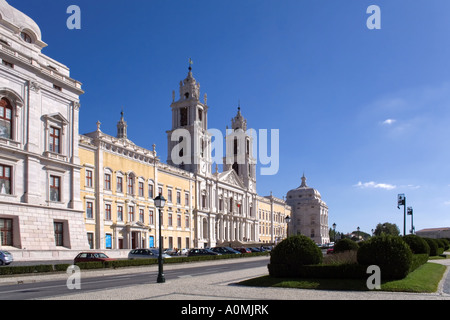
x=58 y=288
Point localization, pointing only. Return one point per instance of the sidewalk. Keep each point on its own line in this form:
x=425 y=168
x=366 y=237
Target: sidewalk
x=209 y=287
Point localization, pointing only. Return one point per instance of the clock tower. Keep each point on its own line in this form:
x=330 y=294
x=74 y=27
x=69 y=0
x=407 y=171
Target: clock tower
x=189 y=142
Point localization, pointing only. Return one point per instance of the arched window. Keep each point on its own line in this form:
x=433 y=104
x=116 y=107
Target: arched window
x=26 y=37
x=6 y=112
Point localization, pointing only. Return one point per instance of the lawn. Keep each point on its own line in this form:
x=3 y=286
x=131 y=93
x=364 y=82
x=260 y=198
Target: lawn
x=424 y=279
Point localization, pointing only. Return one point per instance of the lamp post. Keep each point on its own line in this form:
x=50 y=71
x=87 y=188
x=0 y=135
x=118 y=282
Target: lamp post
x=288 y=220
x=401 y=201
x=334 y=233
x=159 y=203
x=410 y=213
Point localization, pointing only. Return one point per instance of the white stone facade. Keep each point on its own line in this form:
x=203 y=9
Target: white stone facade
x=39 y=179
x=226 y=208
x=309 y=213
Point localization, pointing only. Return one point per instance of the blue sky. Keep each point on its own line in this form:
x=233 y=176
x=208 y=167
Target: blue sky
x=364 y=113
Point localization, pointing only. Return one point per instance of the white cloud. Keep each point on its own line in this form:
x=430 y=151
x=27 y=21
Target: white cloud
x=389 y=121
x=374 y=185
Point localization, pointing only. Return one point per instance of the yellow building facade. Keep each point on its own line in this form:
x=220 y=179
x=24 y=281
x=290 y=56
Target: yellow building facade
x=272 y=215
x=119 y=182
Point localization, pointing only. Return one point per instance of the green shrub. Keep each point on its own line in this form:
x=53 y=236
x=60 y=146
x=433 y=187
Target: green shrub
x=418 y=260
x=446 y=244
x=345 y=245
x=417 y=244
x=90 y=265
x=25 y=269
x=292 y=253
x=390 y=253
x=432 y=243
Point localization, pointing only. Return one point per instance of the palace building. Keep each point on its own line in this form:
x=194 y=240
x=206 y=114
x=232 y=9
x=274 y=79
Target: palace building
x=309 y=213
x=40 y=205
x=62 y=192
x=204 y=208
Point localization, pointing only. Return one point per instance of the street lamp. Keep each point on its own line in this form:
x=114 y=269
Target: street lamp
x=288 y=220
x=410 y=213
x=358 y=233
x=334 y=232
x=160 y=203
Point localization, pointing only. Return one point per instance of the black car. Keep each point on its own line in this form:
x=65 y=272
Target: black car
x=202 y=252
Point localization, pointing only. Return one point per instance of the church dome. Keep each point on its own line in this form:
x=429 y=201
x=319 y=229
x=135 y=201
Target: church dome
x=303 y=192
x=20 y=20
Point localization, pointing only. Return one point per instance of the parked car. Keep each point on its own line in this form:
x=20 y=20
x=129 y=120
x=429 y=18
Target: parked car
x=92 y=257
x=255 y=249
x=202 y=252
x=5 y=258
x=225 y=250
x=243 y=250
x=141 y=254
x=330 y=250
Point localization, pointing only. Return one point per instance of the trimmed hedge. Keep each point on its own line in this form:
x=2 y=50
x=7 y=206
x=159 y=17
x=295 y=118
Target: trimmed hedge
x=432 y=243
x=345 y=245
x=331 y=271
x=390 y=253
x=13 y=270
x=10 y=270
x=417 y=244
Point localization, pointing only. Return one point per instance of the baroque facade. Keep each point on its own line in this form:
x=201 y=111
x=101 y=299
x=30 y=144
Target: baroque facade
x=62 y=192
x=309 y=213
x=204 y=208
x=40 y=207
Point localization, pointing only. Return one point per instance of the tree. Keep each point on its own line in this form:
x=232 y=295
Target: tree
x=387 y=229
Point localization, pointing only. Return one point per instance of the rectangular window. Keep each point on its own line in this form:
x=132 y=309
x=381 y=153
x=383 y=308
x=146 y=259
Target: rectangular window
x=55 y=188
x=141 y=215
x=59 y=234
x=130 y=185
x=5 y=179
x=120 y=213
x=160 y=190
x=107 y=185
x=54 y=140
x=178 y=197
x=186 y=222
x=179 y=220
x=151 y=217
x=5 y=119
x=204 y=201
x=141 y=189
x=89 y=178
x=186 y=199
x=108 y=212
x=89 y=210
x=119 y=184
x=150 y=191
x=130 y=214
x=169 y=195
x=6 y=232
x=169 y=223
x=90 y=237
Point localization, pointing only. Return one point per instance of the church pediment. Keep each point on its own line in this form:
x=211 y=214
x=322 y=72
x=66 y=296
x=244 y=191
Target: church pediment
x=232 y=178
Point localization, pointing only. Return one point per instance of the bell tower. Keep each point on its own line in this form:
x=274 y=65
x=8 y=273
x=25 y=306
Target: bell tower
x=188 y=141
x=239 y=151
